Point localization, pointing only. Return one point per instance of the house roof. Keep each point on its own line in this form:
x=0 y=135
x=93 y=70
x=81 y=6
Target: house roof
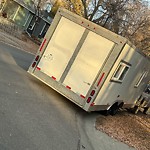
x=26 y=4
x=29 y=5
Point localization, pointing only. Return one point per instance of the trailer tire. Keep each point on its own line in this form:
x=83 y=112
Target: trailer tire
x=113 y=109
x=121 y=105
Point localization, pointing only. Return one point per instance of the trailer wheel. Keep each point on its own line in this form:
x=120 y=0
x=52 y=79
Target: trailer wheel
x=113 y=109
x=121 y=105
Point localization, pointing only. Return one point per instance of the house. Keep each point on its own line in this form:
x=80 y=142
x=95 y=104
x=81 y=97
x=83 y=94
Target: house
x=22 y=13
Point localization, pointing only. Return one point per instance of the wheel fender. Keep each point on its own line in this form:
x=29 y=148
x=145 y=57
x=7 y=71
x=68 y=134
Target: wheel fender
x=116 y=103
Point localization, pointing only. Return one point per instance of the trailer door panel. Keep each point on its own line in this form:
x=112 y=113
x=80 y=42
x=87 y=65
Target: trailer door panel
x=88 y=62
x=61 y=48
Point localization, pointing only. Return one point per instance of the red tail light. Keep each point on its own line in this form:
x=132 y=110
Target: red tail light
x=89 y=99
x=37 y=58
x=33 y=65
x=92 y=93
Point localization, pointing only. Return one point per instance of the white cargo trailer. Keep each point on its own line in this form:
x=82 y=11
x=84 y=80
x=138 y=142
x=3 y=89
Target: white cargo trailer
x=90 y=65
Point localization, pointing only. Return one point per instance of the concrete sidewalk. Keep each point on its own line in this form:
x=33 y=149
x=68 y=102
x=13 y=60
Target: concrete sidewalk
x=97 y=140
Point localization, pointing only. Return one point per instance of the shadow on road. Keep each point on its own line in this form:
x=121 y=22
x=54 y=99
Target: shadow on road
x=22 y=58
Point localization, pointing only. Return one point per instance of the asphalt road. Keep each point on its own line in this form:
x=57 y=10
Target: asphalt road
x=35 y=117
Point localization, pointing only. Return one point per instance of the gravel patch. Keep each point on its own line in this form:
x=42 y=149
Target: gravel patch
x=133 y=130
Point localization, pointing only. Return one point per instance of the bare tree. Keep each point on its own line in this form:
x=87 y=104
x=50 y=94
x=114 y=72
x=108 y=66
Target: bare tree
x=74 y=6
x=37 y=12
x=129 y=18
x=57 y=4
x=38 y=6
x=137 y=29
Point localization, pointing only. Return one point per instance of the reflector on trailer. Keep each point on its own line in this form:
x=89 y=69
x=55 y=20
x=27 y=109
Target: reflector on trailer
x=42 y=45
x=100 y=79
x=53 y=78
x=38 y=68
x=82 y=96
x=92 y=104
x=68 y=87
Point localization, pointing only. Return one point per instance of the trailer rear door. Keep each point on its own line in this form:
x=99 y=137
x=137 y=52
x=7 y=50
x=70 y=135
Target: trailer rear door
x=60 y=48
x=88 y=63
